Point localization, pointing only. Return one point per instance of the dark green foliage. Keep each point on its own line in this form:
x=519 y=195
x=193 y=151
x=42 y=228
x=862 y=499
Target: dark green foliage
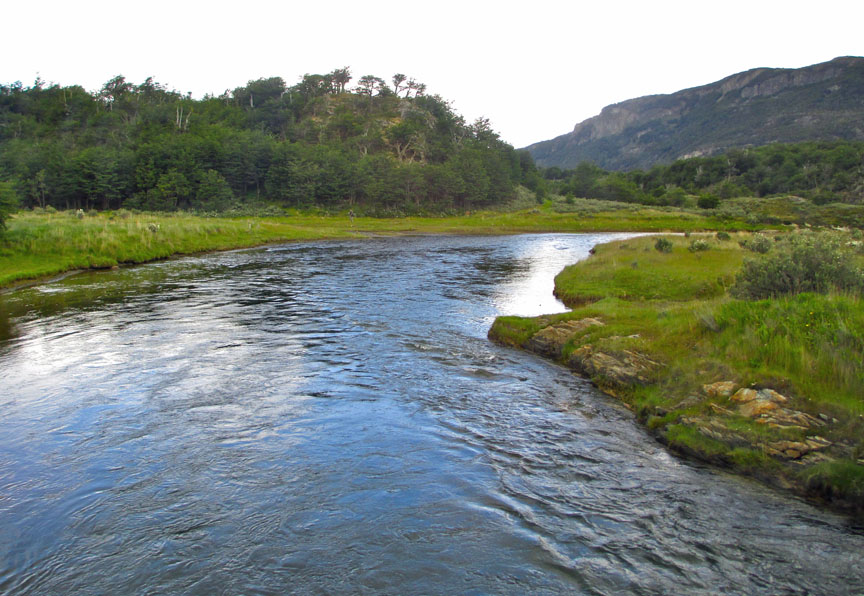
x=708 y=201
x=723 y=236
x=8 y=202
x=801 y=263
x=823 y=172
x=663 y=245
x=315 y=144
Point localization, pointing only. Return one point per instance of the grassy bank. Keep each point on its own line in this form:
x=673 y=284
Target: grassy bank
x=45 y=244
x=661 y=331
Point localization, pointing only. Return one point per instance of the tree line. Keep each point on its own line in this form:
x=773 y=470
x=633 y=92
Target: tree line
x=379 y=147
x=822 y=171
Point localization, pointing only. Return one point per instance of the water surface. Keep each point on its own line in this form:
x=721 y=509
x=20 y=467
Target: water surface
x=330 y=418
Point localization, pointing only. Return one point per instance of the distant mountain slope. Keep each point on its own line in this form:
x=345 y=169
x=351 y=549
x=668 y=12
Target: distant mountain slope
x=757 y=107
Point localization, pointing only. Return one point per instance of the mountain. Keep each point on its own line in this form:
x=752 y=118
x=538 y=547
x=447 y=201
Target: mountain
x=757 y=107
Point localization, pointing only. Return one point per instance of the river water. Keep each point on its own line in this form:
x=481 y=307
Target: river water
x=329 y=418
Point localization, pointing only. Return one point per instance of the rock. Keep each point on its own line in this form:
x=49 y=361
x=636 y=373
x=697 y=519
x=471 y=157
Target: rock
x=722 y=410
x=550 y=341
x=764 y=406
x=719 y=389
x=786 y=449
x=785 y=417
x=620 y=368
x=815 y=443
x=756 y=407
x=745 y=395
x=773 y=396
x=796 y=449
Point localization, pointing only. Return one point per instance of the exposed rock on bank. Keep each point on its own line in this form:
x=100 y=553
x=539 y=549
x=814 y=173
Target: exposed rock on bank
x=753 y=430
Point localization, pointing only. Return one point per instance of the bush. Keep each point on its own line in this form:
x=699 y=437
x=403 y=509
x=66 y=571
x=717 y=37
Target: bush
x=801 y=263
x=724 y=236
x=759 y=243
x=708 y=201
x=663 y=245
x=698 y=246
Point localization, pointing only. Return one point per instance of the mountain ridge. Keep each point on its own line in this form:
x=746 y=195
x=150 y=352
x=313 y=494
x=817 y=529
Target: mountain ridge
x=756 y=107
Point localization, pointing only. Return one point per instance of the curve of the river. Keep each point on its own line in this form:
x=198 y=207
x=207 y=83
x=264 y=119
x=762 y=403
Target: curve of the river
x=330 y=418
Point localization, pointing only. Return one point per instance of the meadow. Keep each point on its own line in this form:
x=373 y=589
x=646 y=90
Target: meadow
x=42 y=244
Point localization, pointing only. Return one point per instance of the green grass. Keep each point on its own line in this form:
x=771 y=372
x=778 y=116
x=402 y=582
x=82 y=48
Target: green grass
x=844 y=477
x=40 y=245
x=675 y=308
x=634 y=270
x=816 y=341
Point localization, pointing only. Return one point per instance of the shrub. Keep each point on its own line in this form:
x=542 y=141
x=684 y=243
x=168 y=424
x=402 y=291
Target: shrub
x=708 y=201
x=801 y=263
x=759 y=243
x=698 y=246
x=663 y=245
x=724 y=236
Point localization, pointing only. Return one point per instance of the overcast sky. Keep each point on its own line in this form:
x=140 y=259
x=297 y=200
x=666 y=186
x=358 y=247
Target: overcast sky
x=534 y=69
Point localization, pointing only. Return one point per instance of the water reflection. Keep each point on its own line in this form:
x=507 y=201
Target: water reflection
x=528 y=290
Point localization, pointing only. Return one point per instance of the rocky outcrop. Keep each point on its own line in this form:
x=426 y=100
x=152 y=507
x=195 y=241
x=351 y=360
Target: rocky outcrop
x=729 y=417
x=818 y=102
x=766 y=407
x=615 y=369
x=550 y=341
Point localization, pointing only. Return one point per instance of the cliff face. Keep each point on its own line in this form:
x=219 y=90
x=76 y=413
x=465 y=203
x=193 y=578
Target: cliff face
x=756 y=107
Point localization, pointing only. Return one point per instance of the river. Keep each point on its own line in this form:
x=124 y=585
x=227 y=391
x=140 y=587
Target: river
x=330 y=418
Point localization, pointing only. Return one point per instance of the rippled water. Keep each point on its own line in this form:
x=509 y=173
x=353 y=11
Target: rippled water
x=330 y=418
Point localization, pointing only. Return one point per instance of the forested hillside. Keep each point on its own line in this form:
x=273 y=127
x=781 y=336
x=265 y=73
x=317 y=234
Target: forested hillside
x=377 y=147
x=824 y=172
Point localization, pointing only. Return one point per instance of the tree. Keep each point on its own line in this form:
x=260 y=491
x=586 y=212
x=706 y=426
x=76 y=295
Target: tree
x=398 y=79
x=114 y=90
x=340 y=78
x=8 y=202
x=414 y=87
x=213 y=193
x=369 y=85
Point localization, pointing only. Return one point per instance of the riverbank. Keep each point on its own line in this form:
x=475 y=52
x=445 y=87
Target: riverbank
x=768 y=388
x=42 y=245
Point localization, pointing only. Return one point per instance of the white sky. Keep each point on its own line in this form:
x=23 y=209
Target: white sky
x=534 y=69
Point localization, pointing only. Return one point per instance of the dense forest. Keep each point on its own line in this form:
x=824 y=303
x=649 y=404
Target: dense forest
x=376 y=147
x=824 y=172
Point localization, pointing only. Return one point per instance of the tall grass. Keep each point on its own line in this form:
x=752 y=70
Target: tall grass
x=42 y=244
x=815 y=340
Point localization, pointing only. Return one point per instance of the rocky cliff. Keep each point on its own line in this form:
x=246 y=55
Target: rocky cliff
x=752 y=108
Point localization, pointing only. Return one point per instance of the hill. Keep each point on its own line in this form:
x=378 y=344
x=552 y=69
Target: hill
x=753 y=108
x=319 y=143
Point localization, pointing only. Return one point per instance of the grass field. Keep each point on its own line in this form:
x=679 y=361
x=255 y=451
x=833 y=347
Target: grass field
x=45 y=244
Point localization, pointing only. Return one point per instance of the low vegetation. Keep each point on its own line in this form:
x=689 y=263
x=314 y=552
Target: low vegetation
x=46 y=242
x=697 y=318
